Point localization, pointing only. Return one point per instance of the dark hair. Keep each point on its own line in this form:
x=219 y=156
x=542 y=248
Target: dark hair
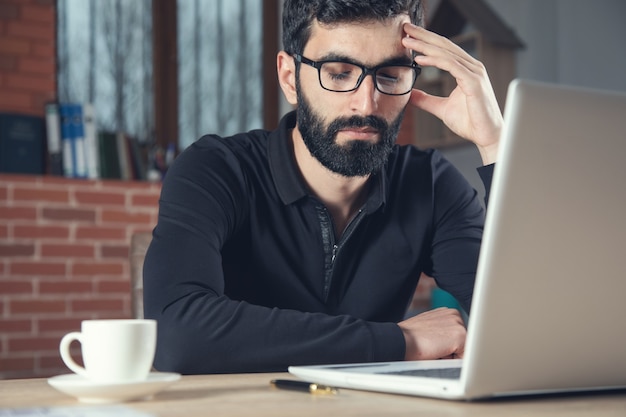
x=298 y=16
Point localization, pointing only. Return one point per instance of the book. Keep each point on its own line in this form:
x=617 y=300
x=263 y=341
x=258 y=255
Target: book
x=78 y=133
x=91 y=141
x=123 y=155
x=67 y=140
x=53 y=139
x=137 y=159
x=109 y=159
x=22 y=143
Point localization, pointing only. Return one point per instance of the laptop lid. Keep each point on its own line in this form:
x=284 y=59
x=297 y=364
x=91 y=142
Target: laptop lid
x=548 y=309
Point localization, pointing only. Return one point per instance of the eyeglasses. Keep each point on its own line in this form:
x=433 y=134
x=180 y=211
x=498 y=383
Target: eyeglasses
x=342 y=76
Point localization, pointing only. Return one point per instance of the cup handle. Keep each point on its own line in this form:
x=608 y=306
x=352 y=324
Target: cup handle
x=64 y=349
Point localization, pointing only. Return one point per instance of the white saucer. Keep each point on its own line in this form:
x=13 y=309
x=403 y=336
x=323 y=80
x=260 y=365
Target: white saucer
x=102 y=393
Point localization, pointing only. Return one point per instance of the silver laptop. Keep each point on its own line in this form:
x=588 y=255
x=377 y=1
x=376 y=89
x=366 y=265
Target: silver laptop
x=549 y=307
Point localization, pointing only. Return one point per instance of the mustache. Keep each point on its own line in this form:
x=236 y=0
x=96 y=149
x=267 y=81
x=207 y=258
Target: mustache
x=357 y=122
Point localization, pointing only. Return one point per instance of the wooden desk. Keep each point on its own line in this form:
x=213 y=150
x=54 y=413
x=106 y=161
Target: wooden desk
x=251 y=394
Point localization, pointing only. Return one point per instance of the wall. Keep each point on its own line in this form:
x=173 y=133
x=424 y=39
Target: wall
x=27 y=55
x=64 y=250
x=573 y=42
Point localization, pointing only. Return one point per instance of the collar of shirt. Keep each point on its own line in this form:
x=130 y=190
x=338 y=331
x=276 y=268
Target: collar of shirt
x=287 y=178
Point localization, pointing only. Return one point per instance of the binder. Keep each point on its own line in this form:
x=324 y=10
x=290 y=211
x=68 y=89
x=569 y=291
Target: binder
x=22 y=143
x=67 y=140
x=91 y=141
x=53 y=139
x=78 y=132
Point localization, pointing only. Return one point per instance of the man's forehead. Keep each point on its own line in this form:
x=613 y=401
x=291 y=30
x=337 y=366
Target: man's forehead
x=369 y=41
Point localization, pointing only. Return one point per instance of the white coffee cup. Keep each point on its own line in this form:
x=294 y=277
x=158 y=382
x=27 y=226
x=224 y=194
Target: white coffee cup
x=113 y=351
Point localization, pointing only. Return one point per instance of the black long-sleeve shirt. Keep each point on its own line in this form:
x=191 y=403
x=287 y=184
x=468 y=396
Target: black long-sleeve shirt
x=244 y=272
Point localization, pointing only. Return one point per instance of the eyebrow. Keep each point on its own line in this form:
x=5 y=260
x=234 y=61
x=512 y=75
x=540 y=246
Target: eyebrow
x=398 y=60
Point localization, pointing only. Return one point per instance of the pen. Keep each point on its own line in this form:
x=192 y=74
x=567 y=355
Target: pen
x=303 y=386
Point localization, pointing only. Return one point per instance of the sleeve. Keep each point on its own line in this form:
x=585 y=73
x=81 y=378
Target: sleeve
x=458 y=218
x=486 y=174
x=200 y=329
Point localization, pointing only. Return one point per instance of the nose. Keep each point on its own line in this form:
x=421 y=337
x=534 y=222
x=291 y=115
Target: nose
x=365 y=97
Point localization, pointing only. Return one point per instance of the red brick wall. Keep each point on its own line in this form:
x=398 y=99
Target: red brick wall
x=27 y=55
x=64 y=250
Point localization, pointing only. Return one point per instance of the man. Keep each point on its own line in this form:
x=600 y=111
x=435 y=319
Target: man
x=304 y=245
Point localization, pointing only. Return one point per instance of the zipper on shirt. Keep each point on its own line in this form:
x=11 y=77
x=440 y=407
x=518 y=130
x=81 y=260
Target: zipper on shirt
x=332 y=248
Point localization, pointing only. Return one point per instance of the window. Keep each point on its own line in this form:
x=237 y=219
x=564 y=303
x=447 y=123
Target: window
x=105 y=58
x=112 y=52
x=220 y=85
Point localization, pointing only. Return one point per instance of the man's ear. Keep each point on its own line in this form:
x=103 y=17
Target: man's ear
x=286 y=68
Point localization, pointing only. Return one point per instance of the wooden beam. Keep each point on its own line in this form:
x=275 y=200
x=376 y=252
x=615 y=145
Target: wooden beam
x=165 y=58
x=271 y=43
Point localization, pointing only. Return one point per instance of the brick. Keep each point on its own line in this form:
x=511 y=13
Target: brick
x=100 y=198
x=126 y=217
x=145 y=200
x=16 y=364
x=40 y=14
x=16 y=287
x=113 y=251
x=97 y=268
x=110 y=287
x=39 y=195
x=63 y=325
x=68 y=250
x=66 y=183
x=29 y=82
x=8 y=11
x=52 y=364
x=100 y=233
x=19 y=179
x=37 y=268
x=47 y=3
x=8 y=62
x=40 y=66
x=4 y=231
x=16 y=249
x=69 y=214
x=97 y=305
x=15 y=46
x=11 y=100
x=43 y=49
x=36 y=306
x=41 y=98
x=18 y=213
x=22 y=29
x=34 y=343
x=8 y=325
x=65 y=287
x=34 y=232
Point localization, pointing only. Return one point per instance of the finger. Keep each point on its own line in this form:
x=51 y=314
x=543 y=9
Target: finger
x=444 y=54
x=427 y=102
x=426 y=39
x=435 y=56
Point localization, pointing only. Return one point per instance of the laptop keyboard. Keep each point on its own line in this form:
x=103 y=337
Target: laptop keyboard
x=446 y=373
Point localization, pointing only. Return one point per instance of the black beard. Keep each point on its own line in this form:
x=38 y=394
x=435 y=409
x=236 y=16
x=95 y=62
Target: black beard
x=355 y=158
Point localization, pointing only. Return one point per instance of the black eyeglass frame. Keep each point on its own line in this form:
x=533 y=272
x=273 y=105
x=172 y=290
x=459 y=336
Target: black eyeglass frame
x=365 y=71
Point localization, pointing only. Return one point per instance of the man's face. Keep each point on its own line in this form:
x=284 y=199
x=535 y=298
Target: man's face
x=351 y=133
x=354 y=157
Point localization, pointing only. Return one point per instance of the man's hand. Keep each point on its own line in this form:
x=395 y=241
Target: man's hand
x=471 y=111
x=435 y=334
